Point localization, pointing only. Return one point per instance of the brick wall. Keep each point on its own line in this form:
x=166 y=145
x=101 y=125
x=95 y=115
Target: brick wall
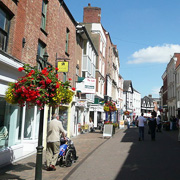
x=26 y=23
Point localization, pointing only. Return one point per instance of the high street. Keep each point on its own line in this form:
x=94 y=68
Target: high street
x=120 y=157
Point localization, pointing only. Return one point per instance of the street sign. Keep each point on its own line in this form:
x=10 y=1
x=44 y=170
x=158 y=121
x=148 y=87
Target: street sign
x=108 y=130
x=63 y=66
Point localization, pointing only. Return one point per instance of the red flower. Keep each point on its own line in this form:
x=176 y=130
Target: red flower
x=20 y=69
x=48 y=81
x=57 y=85
x=56 y=69
x=73 y=88
x=70 y=79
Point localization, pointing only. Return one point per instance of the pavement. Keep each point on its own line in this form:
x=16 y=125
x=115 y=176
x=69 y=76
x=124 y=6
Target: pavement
x=85 y=145
x=124 y=157
x=129 y=150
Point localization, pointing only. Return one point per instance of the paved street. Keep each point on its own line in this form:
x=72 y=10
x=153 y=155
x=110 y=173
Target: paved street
x=125 y=158
x=120 y=157
x=25 y=169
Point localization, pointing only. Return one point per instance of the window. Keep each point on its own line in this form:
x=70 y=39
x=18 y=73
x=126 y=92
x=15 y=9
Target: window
x=4 y=29
x=44 y=14
x=10 y=124
x=77 y=70
x=41 y=51
x=67 y=41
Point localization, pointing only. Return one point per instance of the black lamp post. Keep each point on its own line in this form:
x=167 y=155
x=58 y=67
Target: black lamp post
x=39 y=155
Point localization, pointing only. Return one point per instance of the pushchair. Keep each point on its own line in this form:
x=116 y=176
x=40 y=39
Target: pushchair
x=67 y=153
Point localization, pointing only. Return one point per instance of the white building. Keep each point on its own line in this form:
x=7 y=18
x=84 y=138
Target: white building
x=128 y=97
x=136 y=103
x=120 y=98
x=171 y=87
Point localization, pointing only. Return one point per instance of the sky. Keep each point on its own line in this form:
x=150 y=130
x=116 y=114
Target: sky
x=146 y=32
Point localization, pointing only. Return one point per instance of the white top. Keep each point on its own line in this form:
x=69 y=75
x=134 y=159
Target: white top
x=141 y=121
x=129 y=120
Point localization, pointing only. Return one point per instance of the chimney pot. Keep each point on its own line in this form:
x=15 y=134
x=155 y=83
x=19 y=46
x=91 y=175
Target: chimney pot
x=89 y=4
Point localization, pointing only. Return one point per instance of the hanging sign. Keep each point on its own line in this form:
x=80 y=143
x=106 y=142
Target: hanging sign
x=63 y=66
x=88 y=85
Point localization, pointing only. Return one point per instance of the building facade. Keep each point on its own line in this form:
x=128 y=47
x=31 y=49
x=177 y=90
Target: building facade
x=171 y=86
x=136 y=103
x=31 y=29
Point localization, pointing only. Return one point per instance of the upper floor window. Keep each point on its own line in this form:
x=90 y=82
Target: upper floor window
x=67 y=41
x=44 y=14
x=4 y=29
x=41 y=52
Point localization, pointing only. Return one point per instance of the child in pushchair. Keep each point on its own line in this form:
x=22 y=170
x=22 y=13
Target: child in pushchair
x=67 y=153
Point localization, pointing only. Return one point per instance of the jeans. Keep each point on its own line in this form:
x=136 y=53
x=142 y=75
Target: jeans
x=141 y=133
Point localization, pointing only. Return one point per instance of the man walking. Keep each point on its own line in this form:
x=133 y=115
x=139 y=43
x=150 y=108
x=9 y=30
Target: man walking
x=54 y=131
x=141 y=121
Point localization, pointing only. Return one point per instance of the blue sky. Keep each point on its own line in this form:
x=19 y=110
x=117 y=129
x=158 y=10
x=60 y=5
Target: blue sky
x=146 y=32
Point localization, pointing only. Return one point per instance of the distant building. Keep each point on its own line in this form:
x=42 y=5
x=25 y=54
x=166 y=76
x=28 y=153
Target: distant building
x=128 y=96
x=149 y=104
x=136 y=103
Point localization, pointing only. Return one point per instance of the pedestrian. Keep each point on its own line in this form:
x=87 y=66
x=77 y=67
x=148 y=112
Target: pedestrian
x=179 y=128
x=136 y=121
x=128 y=122
x=54 y=132
x=152 y=126
x=141 y=122
x=158 y=121
x=91 y=125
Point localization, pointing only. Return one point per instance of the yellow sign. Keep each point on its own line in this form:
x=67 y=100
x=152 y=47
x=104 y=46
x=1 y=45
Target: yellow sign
x=63 y=66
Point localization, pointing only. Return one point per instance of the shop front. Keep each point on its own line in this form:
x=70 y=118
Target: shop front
x=18 y=125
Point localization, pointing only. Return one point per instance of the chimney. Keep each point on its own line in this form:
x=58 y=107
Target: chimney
x=92 y=14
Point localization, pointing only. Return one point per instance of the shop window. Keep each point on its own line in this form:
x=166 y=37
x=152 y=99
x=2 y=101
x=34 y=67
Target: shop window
x=63 y=115
x=10 y=124
x=4 y=29
x=29 y=121
x=37 y=124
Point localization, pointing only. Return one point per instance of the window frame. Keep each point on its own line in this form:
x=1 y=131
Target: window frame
x=40 y=53
x=4 y=31
x=67 y=41
x=44 y=15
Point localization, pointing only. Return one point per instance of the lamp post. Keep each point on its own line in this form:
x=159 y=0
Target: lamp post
x=39 y=155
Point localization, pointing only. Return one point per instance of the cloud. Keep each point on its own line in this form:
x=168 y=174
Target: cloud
x=156 y=54
x=155 y=91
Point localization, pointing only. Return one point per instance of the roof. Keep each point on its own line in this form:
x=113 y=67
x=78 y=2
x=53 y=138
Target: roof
x=127 y=84
x=147 y=99
x=136 y=91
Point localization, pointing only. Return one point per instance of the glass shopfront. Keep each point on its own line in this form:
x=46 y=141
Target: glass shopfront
x=10 y=124
x=63 y=114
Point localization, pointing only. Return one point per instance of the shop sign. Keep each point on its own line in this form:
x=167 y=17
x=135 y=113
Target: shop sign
x=117 y=106
x=87 y=86
x=63 y=66
x=81 y=103
x=121 y=124
x=178 y=104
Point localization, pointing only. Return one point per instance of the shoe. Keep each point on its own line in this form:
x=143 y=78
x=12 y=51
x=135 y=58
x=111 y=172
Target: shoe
x=51 y=168
x=139 y=139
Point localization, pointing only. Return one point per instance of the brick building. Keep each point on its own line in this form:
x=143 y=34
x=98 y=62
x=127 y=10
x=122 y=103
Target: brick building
x=27 y=29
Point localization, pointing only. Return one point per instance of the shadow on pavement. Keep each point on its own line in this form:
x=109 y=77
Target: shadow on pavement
x=151 y=160
x=15 y=168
